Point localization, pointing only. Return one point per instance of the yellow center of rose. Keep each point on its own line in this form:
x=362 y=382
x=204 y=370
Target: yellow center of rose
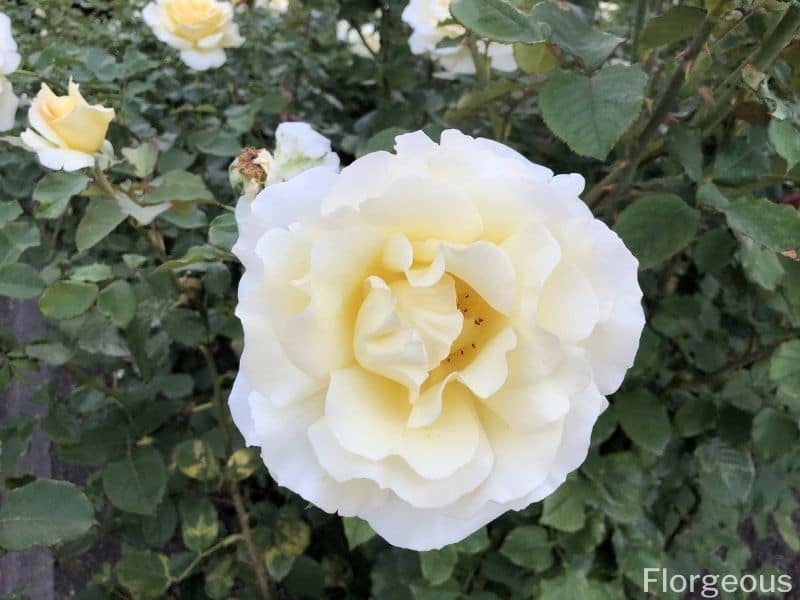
x=480 y=323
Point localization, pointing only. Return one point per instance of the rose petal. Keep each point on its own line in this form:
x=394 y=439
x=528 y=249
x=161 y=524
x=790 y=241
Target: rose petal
x=568 y=306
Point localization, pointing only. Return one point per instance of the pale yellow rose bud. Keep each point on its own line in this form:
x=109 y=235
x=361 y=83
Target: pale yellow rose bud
x=68 y=130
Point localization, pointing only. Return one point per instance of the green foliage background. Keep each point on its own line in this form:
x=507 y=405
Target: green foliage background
x=683 y=121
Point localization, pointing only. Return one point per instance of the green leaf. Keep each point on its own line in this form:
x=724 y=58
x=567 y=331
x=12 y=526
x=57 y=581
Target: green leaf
x=678 y=23
x=101 y=218
x=216 y=142
x=474 y=543
x=563 y=509
x=54 y=354
x=714 y=250
x=437 y=565
x=144 y=573
x=785 y=523
x=656 y=226
x=60 y=426
x=743 y=159
x=222 y=231
x=785 y=138
x=117 y=301
x=383 y=140
x=643 y=418
x=292 y=535
x=178 y=186
x=15 y=238
x=774 y=434
x=220 y=579
x=591 y=114
x=136 y=483
x=92 y=273
x=142 y=158
x=784 y=368
x=619 y=485
x=498 y=21
x=574 y=35
x=357 y=531
x=573 y=585
x=196 y=459
x=9 y=210
x=54 y=191
x=67 y=299
x=144 y=215
x=684 y=143
x=527 y=546
x=42 y=513
x=185 y=327
x=199 y=522
x=535 y=59
x=761 y=265
x=242 y=463
x=19 y=280
x=726 y=472
x=776 y=226
x=695 y=416
x=185 y=216
x=158 y=529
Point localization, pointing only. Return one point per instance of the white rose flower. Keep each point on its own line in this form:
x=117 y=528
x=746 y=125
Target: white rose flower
x=347 y=34
x=9 y=61
x=8 y=105
x=9 y=57
x=429 y=335
x=67 y=131
x=298 y=148
x=274 y=7
x=425 y=17
x=200 y=29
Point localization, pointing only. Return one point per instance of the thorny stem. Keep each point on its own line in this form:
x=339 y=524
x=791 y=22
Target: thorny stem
x=202 y=555
x=761 y=59
x=243 y=516
x=483 y=75
x=664 y=105
x=88 y=381
x=103 y=182
x=641 y=12
x=593 y=195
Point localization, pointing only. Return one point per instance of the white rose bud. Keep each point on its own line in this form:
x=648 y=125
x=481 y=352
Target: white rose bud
x=429 y=335
x=298 y=148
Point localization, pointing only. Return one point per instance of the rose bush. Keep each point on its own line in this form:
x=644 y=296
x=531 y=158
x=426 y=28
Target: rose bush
x=429 y=335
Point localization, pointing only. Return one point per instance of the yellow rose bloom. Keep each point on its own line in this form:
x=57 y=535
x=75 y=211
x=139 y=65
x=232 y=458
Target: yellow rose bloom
x=67 y=130
x=200 y=29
